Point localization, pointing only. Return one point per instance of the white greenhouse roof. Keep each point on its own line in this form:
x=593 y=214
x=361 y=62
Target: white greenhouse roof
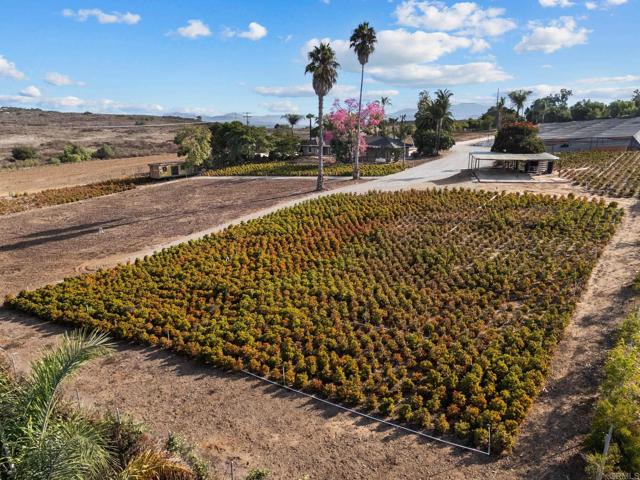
x=603 y=128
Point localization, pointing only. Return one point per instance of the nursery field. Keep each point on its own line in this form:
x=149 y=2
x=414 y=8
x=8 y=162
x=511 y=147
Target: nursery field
x=614 y=174
x=436 y=308
x=288 y=169
x=59 y=196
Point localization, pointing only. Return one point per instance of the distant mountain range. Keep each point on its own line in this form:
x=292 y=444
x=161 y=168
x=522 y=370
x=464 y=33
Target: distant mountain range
x=460 y=111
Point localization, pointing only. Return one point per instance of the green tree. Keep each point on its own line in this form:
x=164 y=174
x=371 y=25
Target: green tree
x=622 y=108
x=518 y=138
x=293 y=119
x=363 y=41
x=441 y=111
x=195 y=144
x=234 y=143
x=588 y=110
x=636 y=98
x=519 y=98
x=323 y=66
x=310 y=117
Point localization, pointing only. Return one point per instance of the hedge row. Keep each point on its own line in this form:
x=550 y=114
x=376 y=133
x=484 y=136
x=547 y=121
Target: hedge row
x=288 y=169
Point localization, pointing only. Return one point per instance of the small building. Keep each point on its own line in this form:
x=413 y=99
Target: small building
x=620 y=134
x=172 y=169
x=532 y=163
x=311 y=147
x=386 y=149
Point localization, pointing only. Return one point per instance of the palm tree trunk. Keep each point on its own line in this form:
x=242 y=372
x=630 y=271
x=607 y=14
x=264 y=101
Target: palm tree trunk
x=310 y=129
x=356 y=163
x=320 y=183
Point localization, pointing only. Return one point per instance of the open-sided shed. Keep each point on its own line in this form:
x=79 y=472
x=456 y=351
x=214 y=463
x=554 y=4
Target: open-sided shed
x=535 y=163
x=604 y=134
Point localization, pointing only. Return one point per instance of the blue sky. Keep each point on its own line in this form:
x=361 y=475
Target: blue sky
x=213 y=57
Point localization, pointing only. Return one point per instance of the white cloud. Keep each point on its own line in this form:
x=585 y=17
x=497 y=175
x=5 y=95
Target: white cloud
x=463 y=17
x=194 y=29
x=293 y=91
x=284 y=106
x=400 y=47
x=604 y=4
x=254 y=32
x=556 y=3
x=603 y=80
x=561 y=33
x=31 y=91
x=439 y=75
x=60 y=80
x=298 y=91
x=71 y=103
x=84 y=14
x=8 y=69
x=377 y=94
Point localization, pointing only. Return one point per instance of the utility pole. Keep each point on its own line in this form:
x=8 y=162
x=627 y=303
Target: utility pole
x=498 y=110
x=402 y=137
x=246 y=116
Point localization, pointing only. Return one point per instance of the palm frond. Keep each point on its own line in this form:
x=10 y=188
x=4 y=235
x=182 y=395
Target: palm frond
x=153 y=465
x=54 y=367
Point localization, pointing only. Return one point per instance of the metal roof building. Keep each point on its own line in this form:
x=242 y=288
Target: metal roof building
x=604 y=134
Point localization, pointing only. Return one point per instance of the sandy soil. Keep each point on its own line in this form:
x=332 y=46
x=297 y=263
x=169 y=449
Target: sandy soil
x=232 y=417
x=29 y=180
x=49 y=132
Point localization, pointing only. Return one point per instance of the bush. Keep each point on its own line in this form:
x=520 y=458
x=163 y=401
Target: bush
x=425 y=141
x=74 y=153
x=24 y=153
x=105 y=152
x=521 y=137
x=619 y=403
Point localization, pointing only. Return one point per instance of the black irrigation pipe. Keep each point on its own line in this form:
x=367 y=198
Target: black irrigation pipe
x=371 y=417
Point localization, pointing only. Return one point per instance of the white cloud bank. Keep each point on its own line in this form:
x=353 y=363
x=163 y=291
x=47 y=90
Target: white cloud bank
x=61 y=80
x=464 y=17
x=561 y=33
x=254 y=32
x=102 y=17
x=8 y=69
x=604 y=4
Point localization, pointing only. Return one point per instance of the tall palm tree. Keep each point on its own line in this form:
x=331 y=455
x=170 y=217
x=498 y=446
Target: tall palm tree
x=385 y=102
x=310 y=117
x=324 y=68
x=519 y=98
x=363 y=41
x=441 y=112
x=293 y=119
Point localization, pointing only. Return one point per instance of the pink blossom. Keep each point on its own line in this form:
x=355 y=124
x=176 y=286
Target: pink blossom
x=343 y=121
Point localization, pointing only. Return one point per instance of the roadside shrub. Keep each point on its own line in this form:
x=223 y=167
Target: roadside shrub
x=24 y=153
x=105 y=152
x=425 y=141
x=619 y=403
x=520 y=137
x=74 y=153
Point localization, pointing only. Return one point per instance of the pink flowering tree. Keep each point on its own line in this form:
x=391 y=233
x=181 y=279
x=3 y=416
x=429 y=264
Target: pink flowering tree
x=342 y=126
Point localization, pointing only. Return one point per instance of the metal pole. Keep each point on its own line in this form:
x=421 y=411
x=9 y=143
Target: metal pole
x=233 y=473
x=607 y=441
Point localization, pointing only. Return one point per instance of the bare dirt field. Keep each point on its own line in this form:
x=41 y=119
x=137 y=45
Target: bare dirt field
x=232 y=417
x=44 y=245
x=49 y=132
x=35 y=179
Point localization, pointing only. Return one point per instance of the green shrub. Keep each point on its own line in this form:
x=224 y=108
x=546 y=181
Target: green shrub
x=73 y=153
x=24 y=153
x=425 y=141
x=520 y=137
x=619 y=403
x=105 y=152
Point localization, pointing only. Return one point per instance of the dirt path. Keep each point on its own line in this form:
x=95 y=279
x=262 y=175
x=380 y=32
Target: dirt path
x=29 y=180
